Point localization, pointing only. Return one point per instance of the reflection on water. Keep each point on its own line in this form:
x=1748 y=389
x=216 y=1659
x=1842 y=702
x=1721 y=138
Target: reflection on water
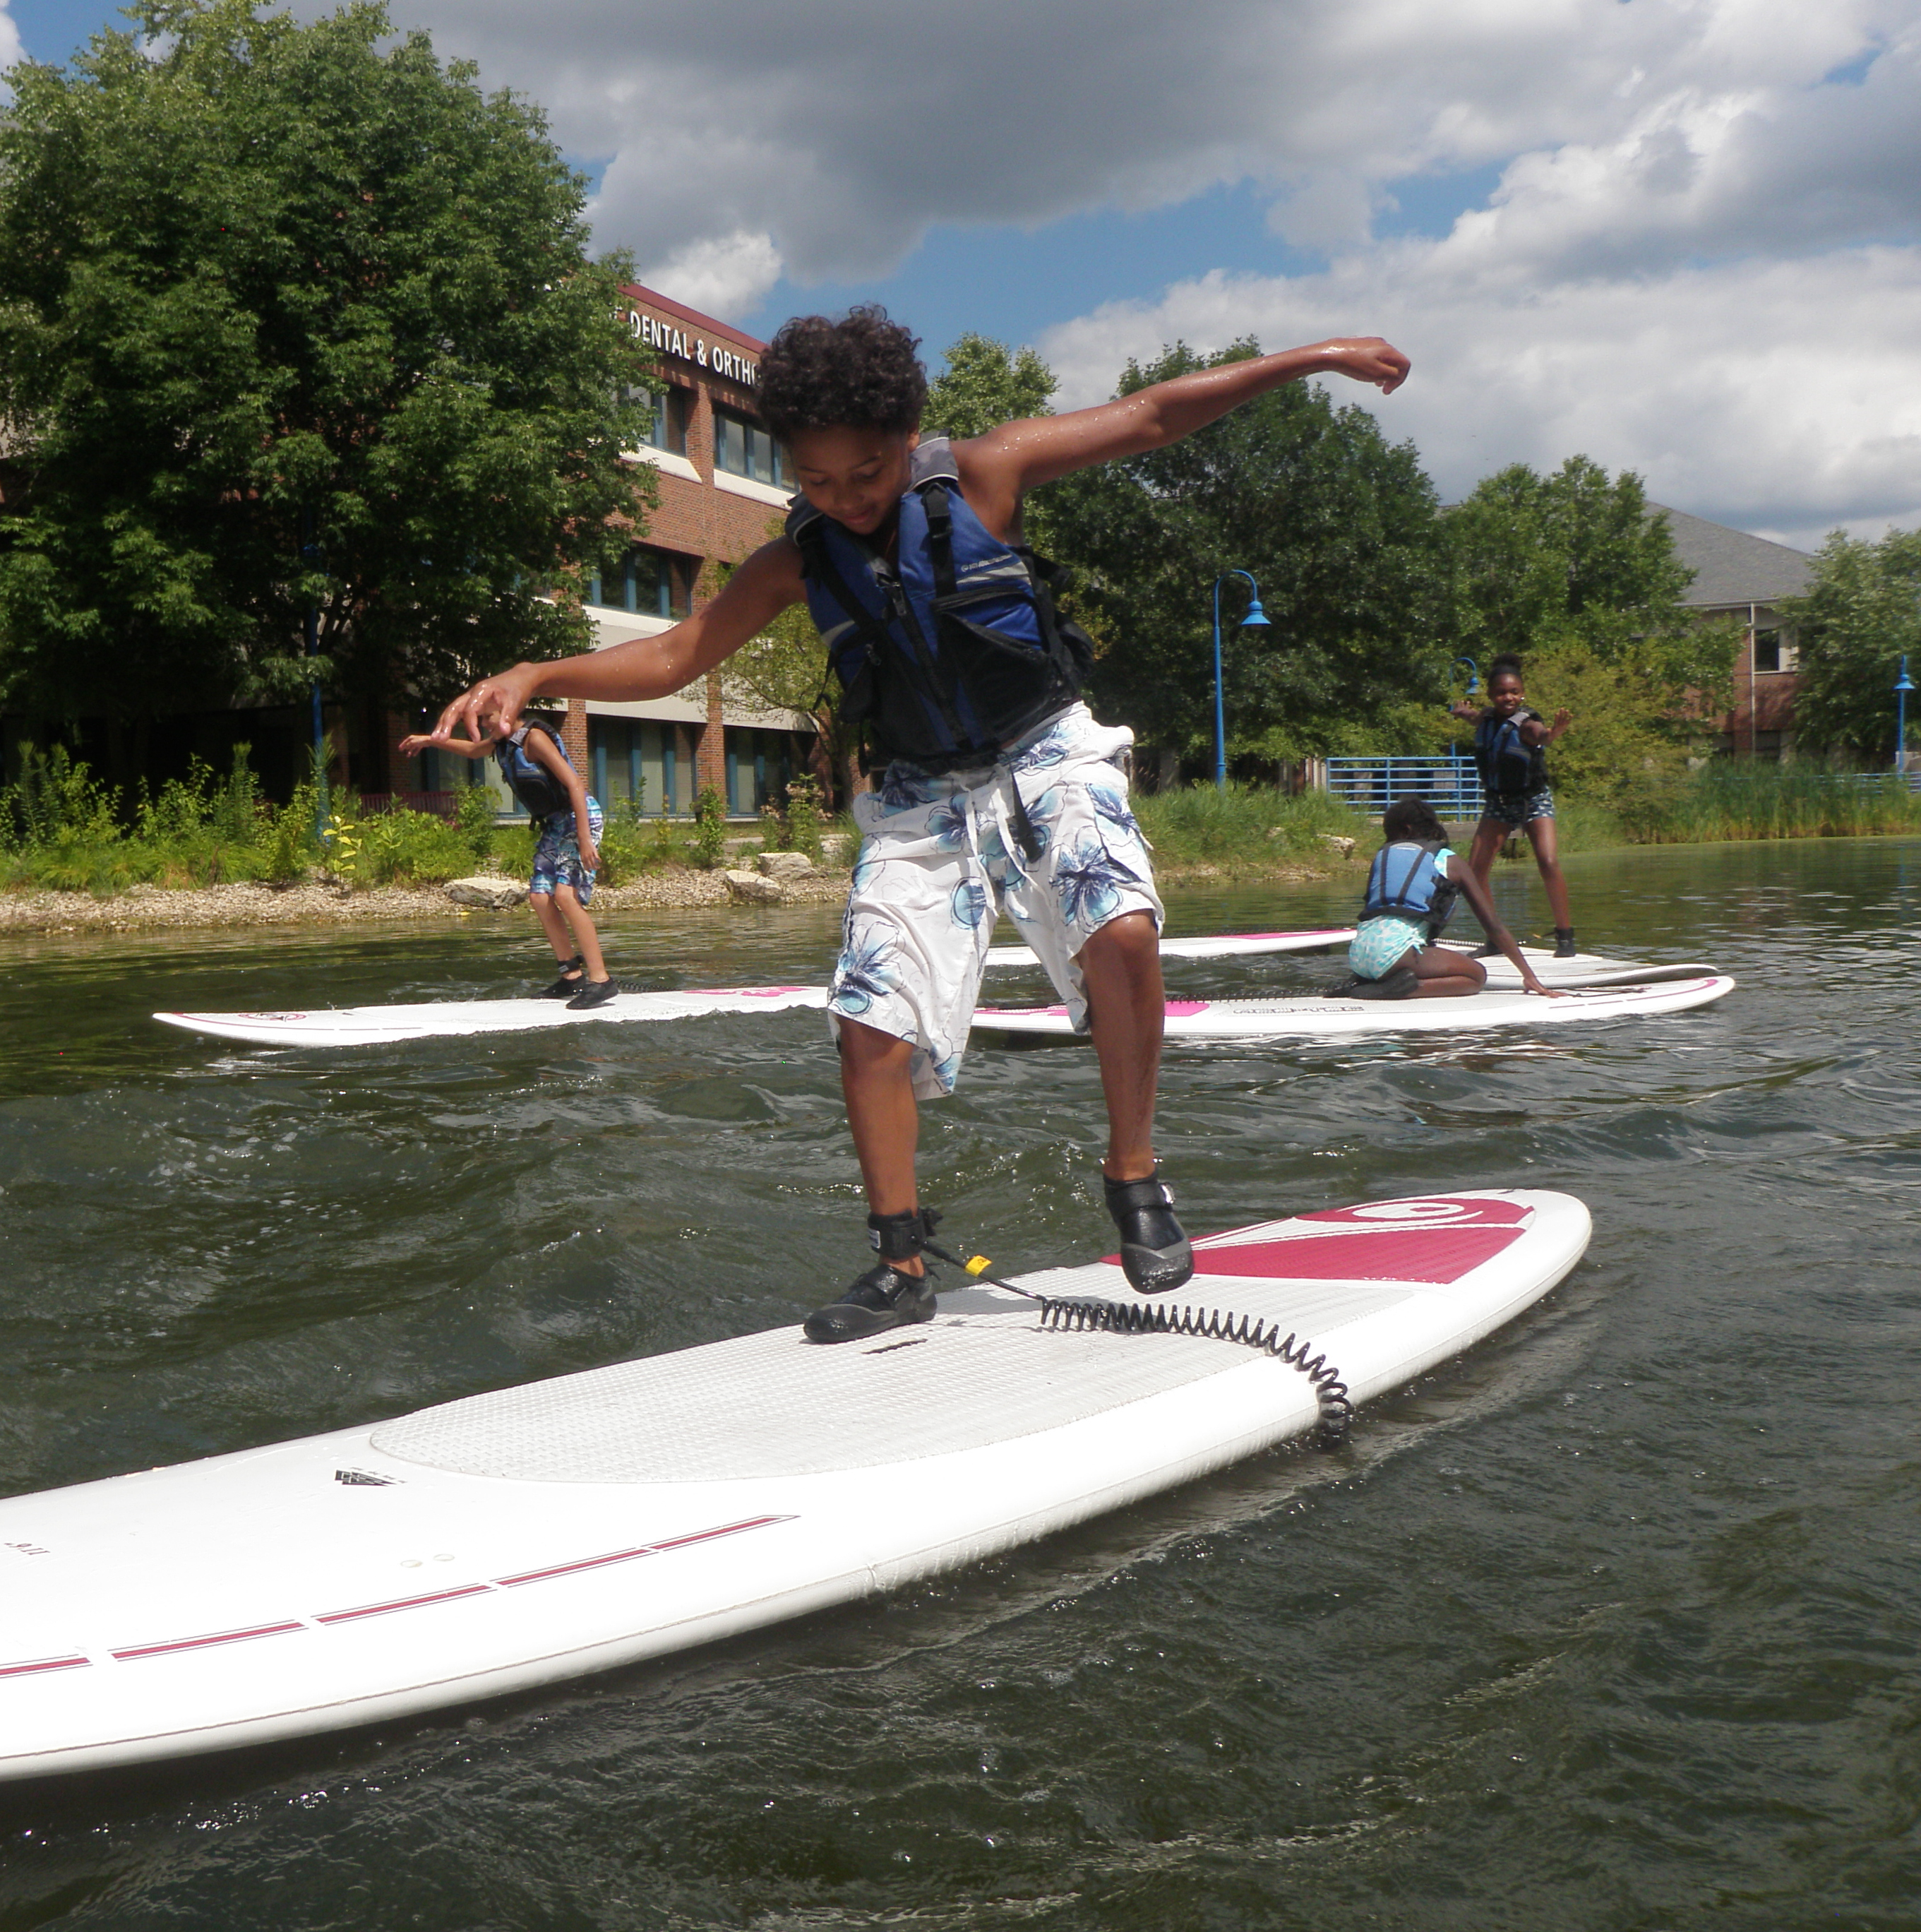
x=1611 y=1624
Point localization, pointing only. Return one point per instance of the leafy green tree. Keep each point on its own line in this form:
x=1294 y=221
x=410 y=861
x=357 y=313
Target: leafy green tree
x=986 y=384
x=291 y=315
x=1571 y=573
x=1338 y=527
x=1862 y=614
x=1546 y=563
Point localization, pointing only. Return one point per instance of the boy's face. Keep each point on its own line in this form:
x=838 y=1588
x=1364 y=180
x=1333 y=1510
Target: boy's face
x=856 y=476
x=1505 y=694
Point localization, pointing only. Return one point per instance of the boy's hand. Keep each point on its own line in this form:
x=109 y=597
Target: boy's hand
x=590 y=854
x=1367 y=358
x=491 y=709
x=418 y=741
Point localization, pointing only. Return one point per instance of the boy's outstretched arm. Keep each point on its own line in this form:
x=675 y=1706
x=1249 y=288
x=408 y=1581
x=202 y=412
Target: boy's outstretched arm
x=756 y=593
x=1021 y=456
x=423 y=741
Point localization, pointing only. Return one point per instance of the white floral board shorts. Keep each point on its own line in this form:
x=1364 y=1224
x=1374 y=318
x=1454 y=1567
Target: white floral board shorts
x=557 y=853
x=939 y=860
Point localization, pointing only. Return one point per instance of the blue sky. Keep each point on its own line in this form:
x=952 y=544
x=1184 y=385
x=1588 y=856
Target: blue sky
x=1682 y=237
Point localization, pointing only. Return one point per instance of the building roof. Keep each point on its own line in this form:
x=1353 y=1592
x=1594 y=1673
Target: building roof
x=1730 y=566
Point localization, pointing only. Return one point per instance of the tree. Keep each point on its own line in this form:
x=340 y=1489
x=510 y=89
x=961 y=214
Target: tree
x=1338 y=526
x=1862 y=614
x=290 y=317
x=986 y=384
x=1570 y=572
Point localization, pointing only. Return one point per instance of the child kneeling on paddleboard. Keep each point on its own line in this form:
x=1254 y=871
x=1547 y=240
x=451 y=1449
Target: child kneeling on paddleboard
x=1412 y=887
x=567 y=832
x=1511 y=752
x=998 y=790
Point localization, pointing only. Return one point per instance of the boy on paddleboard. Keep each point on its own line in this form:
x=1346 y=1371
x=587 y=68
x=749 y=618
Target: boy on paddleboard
x=1511 y=752
x=566 y=822
x=999 y=790
x=1412 y=887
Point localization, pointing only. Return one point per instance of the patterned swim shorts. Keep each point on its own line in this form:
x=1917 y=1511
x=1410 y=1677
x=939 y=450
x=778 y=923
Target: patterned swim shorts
x=1376 y=948
x=1516 y=809
x=557 y=854
x=940 y=858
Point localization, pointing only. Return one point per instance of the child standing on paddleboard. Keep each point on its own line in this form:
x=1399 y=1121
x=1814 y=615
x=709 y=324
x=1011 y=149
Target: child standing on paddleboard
x=1510 y=750
x=566 y=822
x=998 y=790
x=1412 y=886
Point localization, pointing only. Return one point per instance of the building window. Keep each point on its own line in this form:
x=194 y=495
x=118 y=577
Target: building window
x=744 y=448
x=651 y=582
x=668 y=430
x=1773 y=651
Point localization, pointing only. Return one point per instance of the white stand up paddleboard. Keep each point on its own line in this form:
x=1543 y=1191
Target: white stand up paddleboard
x=1329 y=1016
x=1209 y=946
x=440 y=1019
x=523 y=1538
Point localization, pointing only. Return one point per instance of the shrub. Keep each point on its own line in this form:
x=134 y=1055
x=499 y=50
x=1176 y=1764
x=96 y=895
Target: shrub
x=710 y=828
x=803 y=825
x=473 y=818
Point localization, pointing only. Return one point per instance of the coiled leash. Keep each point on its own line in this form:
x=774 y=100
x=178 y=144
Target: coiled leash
x=1070 y=1314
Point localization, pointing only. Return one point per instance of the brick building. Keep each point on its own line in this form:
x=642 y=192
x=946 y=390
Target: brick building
x=1743 y=578
x=723 y=488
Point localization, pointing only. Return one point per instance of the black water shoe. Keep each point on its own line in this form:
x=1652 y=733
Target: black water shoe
x=883 y=1298
x=1155 y=1255
x=588 y=994
x=572 y=977
x=1488 y=951
x=1564 y=945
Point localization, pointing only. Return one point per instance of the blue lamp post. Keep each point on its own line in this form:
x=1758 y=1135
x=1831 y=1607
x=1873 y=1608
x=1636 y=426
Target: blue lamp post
x=1473 y=675
x=1256 y=619
x=1903 y=685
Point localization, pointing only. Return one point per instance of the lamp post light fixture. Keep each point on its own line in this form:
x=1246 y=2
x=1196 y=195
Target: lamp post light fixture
x=1903 y=685
x=1473 y=675
x=1256 y=619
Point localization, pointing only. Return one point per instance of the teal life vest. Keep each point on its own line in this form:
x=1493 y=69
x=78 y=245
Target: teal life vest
x=539 y=789
x=952 y=653
x=1509 y=767
x=1406 y=881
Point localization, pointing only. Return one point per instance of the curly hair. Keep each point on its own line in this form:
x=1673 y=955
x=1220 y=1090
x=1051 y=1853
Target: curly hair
x=1411 y=816
x=859 y=373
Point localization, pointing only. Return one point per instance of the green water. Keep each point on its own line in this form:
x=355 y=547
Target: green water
x=1612 y=1623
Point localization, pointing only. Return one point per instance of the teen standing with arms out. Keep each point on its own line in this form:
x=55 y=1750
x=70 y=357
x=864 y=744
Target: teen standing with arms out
x=1000 y=791
x=566 y=849
x=1510 y=748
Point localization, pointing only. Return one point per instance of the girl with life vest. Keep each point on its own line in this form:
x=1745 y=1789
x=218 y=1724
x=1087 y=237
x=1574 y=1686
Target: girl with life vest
x=1412 y=887
x=1510 y=750
x=998 y=791
x=567 y=832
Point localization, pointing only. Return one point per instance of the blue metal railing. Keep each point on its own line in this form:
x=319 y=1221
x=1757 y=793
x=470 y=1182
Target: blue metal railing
x=1447 y=780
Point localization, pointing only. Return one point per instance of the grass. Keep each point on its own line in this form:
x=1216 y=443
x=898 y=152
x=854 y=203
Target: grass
x=59 y=828
x=1245 y=828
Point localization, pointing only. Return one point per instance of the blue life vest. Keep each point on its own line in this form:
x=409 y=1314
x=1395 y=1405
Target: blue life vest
x=1405 y=881
x=1508 y=764
x=539 y=789
x=954 y=653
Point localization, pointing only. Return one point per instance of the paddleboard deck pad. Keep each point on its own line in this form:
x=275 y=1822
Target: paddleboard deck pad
x=508 y=1541
x=1331 y=1016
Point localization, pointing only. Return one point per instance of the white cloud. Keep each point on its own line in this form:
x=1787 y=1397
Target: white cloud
x=722 y=276
x=10 y=48
x=1758 y=393
x=1700 y=261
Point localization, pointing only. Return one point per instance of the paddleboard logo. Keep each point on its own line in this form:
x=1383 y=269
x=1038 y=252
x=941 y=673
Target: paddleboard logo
x=1424 y=1213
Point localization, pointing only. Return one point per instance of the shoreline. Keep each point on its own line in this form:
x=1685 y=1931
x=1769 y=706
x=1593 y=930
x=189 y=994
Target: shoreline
x=250 y=903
